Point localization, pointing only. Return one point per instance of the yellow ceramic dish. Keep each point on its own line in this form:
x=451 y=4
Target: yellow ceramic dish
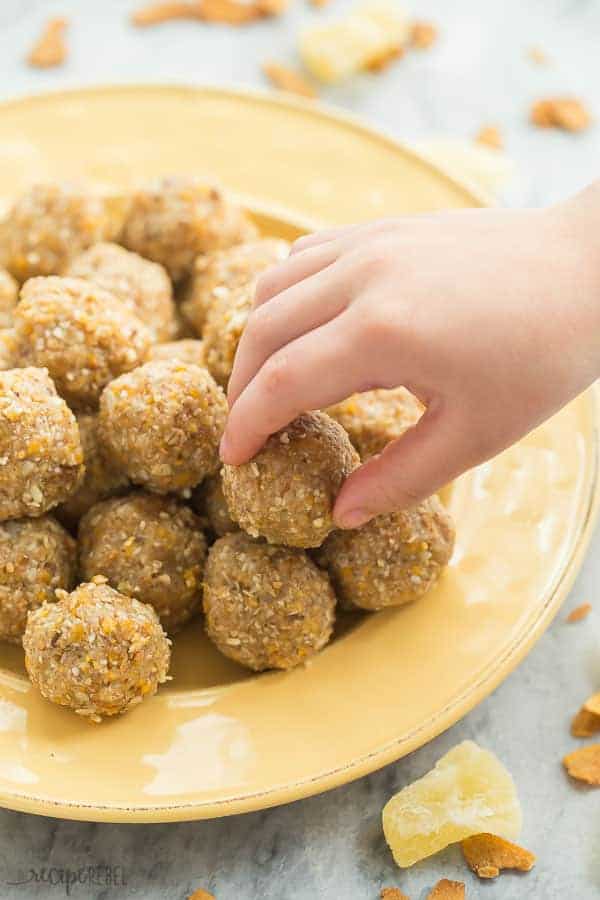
x=218 y=740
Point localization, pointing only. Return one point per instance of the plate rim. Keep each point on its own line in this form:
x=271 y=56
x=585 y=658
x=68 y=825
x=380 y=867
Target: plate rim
x=494 y=673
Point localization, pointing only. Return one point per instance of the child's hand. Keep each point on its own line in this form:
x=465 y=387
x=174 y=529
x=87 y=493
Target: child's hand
x=492 y=318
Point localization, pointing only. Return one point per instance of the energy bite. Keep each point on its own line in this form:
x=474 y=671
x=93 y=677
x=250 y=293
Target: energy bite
x=52 y=223
x=209 y=500
x=82 y=334
x=286 y=493
x=173 y=220
x=9 y=294
x=266 y=607
x=96 y=651
x=216 y=277
x=8 y=349
x=186 y=350
x=162 y=423
x=375 y=418
x=36 y=557
x=393 y=559
x=41 y=460
x=150 y=548
x=142 y=286
x=100 y=481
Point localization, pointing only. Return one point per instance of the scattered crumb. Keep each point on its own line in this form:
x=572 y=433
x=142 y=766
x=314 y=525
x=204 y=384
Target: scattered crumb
x=579 y=613
x=380 y=63
x=51 y=48
x=155 y=13
x=538 y=56
x=490 y=136
x=592 y=704
x=567 y=113
x=201 y=895
x=585 y=724
x=230 y=12
x=584 y=764
x=288 y=80
x=271 y=8
x=392 y=893
x=319 y=4
x=447 y=890
x=423 y=35
x=487 y=854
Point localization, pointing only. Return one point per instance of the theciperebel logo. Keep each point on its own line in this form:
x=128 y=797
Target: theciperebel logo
x=69 y=880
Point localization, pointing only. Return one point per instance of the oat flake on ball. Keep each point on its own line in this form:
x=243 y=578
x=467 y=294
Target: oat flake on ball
x=96 y=651
x=162 y=423
x=143 y=286
x=41 y=459
x=148 y=547
x=287 y=492
x=266 y=607
x=393 y=559
x=37 y=556
x=82 y=334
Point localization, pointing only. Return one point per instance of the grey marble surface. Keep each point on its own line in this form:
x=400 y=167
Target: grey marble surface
x=331 y=847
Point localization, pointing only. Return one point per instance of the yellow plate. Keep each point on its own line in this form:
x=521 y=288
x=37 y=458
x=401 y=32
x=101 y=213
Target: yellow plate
x=217 y=740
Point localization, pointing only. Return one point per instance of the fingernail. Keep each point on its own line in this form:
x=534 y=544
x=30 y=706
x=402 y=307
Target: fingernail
x=354 y=518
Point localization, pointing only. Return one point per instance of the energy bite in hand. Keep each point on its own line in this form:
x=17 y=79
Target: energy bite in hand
x=286 y=493
x=141 y=285
x=96 y=651
x=101 y=479
x=52 y=223
x=161 y=425
x=393 y=559
x=217 y=276
x=266 y=607
x=41 y=459
x=148 y=547
x=82 y=334
x=37 y=556
x=173 y=220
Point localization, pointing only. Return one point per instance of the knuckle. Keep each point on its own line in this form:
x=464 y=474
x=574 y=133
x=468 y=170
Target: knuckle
x=257 y=326
x=277 y=374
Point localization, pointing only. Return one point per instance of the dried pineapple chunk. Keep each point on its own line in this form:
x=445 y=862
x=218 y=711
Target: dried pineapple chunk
x=467 y=792
x=337 y=49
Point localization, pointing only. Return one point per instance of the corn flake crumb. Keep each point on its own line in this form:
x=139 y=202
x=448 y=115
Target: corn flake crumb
x=538 y=56
x=579 y=613
x=392 y=893
x=229 y=12
x=271 y=8
x=584 y=764
x=201 y=895
x=487 y=854
x=592 y=704
x=567 y=113
x=423 y=35
x=447 y=890
x=51 y=48
x=585 y=723
x=490 y=136
x=380 y=63
x=287 y=80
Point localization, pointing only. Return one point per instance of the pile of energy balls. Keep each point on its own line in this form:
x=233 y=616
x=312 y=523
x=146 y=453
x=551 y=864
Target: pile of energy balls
x=120 y=320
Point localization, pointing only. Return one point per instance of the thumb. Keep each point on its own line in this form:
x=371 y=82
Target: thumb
x=408 y=471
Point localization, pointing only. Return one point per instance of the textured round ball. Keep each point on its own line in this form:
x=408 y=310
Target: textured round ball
x=100 y=481
x=83 y=335
x=286 y=493
x=96 y=651
x=41 y=459
x=209 y=501
x=173 y=220
x=52 y=223
x=217 y=276
x=266 y=607
x=162 y=423
x=9 y=294
x=143 y=286
x=186 y=350
x=225 y=323
x=150 y=548
x=37 y=556
x=393 y=559
x=376 y=418
x=8 y=348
